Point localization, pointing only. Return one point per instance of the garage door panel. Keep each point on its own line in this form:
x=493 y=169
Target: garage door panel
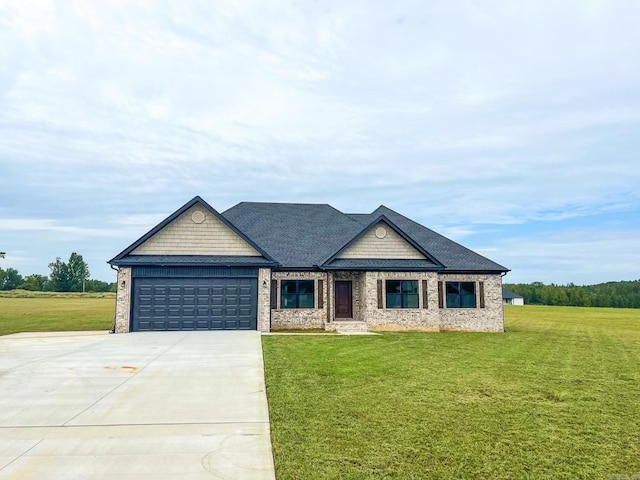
x=217 y=290
x=188 y=301
x=217 y=301
x=145 y=301
x=194 y=303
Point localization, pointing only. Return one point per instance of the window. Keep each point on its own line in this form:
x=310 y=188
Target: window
x=461 y=294
x=402 y=294
x=296 y=294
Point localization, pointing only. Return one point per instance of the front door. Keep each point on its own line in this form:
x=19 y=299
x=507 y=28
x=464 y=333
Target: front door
x=343 y=299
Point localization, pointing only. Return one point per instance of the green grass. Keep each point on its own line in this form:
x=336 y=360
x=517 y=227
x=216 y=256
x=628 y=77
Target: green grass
x=556 y=397
x=22 y=311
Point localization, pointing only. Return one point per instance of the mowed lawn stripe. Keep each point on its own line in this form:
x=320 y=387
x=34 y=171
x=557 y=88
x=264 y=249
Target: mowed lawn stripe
x=51 y=313
x=557 y=396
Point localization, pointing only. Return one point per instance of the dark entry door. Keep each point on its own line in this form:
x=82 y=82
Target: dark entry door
x=343 y=299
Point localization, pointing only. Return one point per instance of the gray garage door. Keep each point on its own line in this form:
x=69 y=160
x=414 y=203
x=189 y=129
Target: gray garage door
x=217 y=303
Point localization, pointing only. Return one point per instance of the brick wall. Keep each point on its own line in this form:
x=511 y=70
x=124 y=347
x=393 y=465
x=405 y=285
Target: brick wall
x=487 y=319
x=421 y=319
x=365 y=303
x=300 y=318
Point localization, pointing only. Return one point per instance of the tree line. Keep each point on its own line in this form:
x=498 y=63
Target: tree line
x=625 y=294
x=70 y=276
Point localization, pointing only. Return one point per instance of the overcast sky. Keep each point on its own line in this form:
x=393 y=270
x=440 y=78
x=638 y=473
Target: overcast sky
x=511 y=127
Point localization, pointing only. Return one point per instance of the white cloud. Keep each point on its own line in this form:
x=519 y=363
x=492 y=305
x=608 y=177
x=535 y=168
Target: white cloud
x=459 y=114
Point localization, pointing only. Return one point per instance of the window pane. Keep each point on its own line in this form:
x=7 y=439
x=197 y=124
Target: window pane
x=393 y=286
x=288 y=286
x=394 y=300
x=453 y=301
x=453 y=288
x=410 y=286
x=468 y=301
x=305 y=301
x=468 y=288
x=305 y=286
x=288 y=300
x=411 y=300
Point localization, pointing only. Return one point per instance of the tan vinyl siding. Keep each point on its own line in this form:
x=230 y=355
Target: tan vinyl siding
x=185 y=237
x=391 y=246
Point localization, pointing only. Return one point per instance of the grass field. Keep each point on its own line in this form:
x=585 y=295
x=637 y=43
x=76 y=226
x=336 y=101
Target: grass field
x=22 y=311
x=556 y=397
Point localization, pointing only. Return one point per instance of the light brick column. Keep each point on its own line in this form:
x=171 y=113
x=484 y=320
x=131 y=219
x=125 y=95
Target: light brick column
x=264 y=300
x=123 y=301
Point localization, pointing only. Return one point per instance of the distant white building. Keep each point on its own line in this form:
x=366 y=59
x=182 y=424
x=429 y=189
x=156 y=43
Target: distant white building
x=510 y=298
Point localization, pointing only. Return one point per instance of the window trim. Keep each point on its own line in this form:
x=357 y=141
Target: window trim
x=297 y=294
x=403 y=295
x=460 y=294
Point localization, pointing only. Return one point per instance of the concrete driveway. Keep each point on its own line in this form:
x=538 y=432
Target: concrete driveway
x=89 y=405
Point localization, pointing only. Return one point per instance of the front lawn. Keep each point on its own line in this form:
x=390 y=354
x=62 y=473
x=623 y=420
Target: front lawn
x=557 y=396
x=22 y=311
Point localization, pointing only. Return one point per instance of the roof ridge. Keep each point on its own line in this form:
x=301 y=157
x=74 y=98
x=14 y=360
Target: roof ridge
x=285 y=203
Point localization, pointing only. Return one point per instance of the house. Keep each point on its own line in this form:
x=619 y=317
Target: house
x=510 y=298
x=270 y=266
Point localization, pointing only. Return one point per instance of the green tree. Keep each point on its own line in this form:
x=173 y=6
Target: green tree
x=79 y=272
x=10 y=279
x=98 y=286
x=70 y=276
x=35 y=283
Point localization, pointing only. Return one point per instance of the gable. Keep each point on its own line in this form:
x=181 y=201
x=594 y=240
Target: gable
x=195 y=232
x=381 y=241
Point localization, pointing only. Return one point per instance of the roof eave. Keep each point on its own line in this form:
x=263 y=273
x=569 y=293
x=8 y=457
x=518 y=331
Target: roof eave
x=383 y=269
x=124 y=263
x=475 y=271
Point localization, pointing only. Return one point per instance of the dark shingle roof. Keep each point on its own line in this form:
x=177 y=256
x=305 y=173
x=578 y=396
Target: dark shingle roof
x=509 y=294
x=307 y=235
x=192 y=260
x=295 y=235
